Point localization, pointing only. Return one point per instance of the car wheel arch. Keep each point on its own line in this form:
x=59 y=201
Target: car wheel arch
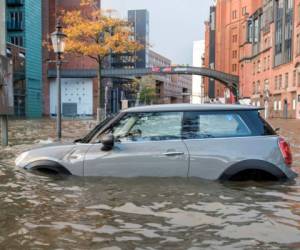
x=255 y=165
x=48 y=166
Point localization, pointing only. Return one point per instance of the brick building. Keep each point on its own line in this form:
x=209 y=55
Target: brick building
x=79 y=78
x=258 y=40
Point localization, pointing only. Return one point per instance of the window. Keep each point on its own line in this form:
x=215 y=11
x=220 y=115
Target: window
x=283 y=31
x=258 y=67
x=149 y=127
x=234 y=14
x=279 y=105
x=234 y=54
x=298 y=45
x=276 y=82
x=15 y=20
x=294 y=104
x=254 y=68
x=280 y=82
x=286 y=80
x=234 y=67
x=298 y=79
x=250 y=32
x=275 y=105
x=234 y=39
x=244 y=11
x=211 y=125
x=17 y=40
x=294 y=78
x=256 y=30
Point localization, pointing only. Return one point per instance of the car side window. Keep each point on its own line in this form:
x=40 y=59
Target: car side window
x=156 y=126
x=214 y=125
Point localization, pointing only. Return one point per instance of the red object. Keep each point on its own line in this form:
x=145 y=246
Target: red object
x=232 y=97
x=155 y=69
x=168 y=69
x=285 y=151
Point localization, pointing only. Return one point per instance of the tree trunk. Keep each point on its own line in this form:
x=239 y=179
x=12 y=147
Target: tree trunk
x=101 y=92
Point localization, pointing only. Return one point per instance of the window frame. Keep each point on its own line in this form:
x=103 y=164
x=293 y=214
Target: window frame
x=126 y=114
x=242 y=114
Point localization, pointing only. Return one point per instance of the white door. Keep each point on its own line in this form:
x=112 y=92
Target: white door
x=74 y=91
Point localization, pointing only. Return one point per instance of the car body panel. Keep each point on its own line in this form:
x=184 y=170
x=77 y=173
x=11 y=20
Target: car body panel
x=134 y=159
x=71 y=156
x=209 y=158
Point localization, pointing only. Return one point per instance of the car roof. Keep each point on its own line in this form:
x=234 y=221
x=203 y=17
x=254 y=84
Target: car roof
x=191 y=107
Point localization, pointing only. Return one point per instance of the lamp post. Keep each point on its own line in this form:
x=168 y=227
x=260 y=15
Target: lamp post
x=58 y=42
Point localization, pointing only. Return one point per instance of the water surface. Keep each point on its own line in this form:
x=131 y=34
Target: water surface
x=38 y=212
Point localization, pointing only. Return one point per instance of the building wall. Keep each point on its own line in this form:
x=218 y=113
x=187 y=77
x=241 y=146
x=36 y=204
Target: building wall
x=269 y=75
x=140 y=22
x=78 y=64
x=23 y=29
x=2 y=27
x=33 y=44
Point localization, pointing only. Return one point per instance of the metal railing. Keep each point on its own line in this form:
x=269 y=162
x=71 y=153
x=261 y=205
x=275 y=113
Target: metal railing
x=15 y=2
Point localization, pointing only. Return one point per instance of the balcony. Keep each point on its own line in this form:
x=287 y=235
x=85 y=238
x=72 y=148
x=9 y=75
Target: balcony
x=15 y=2
x=15 y=26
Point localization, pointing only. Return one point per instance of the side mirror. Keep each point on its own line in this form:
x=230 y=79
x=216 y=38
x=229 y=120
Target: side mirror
x=108 y=142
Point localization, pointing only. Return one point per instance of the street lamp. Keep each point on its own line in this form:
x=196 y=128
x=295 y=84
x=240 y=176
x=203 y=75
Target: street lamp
x=58 y=42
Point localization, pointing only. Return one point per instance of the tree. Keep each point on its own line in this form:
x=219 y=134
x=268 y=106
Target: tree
x=146 y=90
x=95 y=33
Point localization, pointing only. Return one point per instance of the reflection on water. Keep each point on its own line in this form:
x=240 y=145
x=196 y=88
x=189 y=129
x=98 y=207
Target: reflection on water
x=38 y=212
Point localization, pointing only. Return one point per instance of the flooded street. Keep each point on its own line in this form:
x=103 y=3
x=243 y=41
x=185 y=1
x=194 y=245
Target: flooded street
x=39 y=212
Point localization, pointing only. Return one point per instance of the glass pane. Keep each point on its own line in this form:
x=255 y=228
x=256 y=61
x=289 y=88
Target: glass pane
x=214 y=126
x=155 y=127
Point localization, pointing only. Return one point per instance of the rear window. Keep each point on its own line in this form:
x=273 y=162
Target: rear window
x=257 y=124
x=222 y=124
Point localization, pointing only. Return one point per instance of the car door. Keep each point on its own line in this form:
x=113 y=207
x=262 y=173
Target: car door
x=146 y=144
x=215 y=141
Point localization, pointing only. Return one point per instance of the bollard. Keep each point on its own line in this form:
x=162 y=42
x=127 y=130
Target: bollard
x=4 y=130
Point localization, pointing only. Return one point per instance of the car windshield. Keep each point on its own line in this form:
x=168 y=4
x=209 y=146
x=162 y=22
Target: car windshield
x=95 y=131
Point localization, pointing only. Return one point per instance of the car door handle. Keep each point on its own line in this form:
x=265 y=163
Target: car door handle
x=173 y=153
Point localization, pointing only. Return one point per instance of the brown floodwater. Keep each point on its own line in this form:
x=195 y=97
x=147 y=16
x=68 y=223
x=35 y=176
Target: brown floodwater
x=40 y=212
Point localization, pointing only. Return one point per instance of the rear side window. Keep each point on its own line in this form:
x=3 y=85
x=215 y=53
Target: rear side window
x=199 y=125
x=256 y=123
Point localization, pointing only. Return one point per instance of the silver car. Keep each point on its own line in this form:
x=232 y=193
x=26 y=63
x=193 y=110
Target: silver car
x=214 y=142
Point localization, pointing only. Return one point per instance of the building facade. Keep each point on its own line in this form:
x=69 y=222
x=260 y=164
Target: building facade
x=2 y=28
x=23 y=33
x=79 y=77
x=259 y=40
x=140 y=21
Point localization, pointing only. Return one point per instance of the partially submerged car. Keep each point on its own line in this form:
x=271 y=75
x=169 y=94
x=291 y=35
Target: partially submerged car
x=214 y=142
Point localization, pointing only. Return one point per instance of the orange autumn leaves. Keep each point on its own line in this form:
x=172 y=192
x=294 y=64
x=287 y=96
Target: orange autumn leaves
x=95 y=33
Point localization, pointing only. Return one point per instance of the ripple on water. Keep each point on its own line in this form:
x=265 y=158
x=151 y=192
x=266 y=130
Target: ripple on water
x=105 y=213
